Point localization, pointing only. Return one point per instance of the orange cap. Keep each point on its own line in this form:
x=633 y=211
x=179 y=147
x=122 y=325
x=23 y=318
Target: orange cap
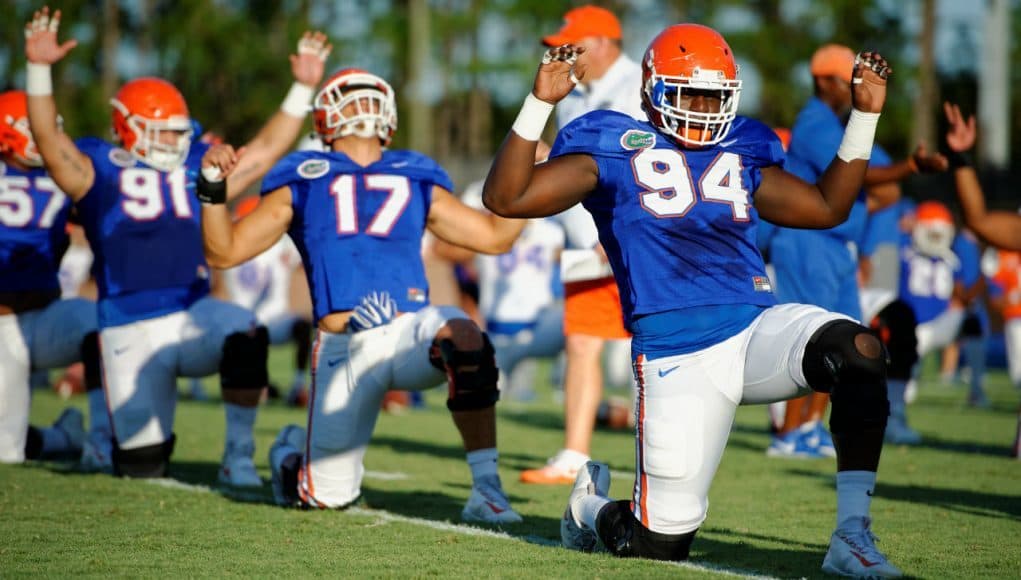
x=245 y=206
x=583 y=22
x=833 y=60
x=933 y=211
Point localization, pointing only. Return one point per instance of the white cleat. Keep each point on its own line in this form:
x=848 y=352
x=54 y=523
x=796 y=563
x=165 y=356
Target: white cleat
x=238 y=469
x=853 y=552
x=488 y=504
x=593 y=479
x=97 y=453
x=290 y=440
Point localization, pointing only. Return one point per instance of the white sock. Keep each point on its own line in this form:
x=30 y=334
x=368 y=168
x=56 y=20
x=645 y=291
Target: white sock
x=240 y=423
x=99 y=418
x=854 y=494
x=483 y=462
x=587 y=509
x=570 y=459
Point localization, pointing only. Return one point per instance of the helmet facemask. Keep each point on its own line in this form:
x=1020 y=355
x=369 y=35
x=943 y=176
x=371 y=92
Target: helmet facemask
x=369 y=105
x=663 y=94
x=933 y=238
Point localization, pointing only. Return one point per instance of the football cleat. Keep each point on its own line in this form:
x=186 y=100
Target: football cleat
x=898 y=432
x=820 y=438
x=794 y=444
x=72 y=424
x=488 y=503
x=238 y=469
x=97 y=453
x=853 y=552
x=290 y=440
x=593 y=479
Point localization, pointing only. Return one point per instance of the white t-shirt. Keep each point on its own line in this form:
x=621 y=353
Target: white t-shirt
x=514 y=287
x=617 y=90
x=263 y=284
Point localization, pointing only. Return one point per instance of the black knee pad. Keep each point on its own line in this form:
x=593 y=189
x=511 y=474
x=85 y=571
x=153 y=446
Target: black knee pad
x=895 y=326
x=33 y=443
x=143 y=462
x=243 y=364
x=848 y=361
x=91 y=362
x=469 y=389
x=626 y=537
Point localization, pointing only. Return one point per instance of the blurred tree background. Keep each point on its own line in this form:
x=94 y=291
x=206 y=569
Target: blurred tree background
x=461 y=67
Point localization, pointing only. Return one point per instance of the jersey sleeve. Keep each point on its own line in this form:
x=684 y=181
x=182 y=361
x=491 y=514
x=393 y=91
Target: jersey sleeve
x=880 y=158
x=426 y=169
x=755 y=142
x=602 y=134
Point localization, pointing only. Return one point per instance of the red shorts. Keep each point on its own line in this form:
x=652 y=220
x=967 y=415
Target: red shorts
x=592 y=307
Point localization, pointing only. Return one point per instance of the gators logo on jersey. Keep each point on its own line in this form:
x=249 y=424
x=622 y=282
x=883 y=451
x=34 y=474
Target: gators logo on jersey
x=634 y=139
x=313 y=168
x=121 y=158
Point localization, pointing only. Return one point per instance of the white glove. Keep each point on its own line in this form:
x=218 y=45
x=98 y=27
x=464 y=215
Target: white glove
x=376 y=309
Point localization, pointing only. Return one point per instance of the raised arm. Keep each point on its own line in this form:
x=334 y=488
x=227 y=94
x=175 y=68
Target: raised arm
x=516 y=188
x=278 y=135
x=455 y=223
x=999 y=228
x=786 y=200
x=229 y=243
x=70 y=169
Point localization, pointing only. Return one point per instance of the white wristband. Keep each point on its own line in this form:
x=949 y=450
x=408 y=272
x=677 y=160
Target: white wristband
x=859 y=135
x=38 y=80
x=532 y=118
x=212 y=174
x=298 y=100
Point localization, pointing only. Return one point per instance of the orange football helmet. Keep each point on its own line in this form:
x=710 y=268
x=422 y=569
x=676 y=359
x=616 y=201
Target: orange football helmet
x=355 y=102
x=143 y=110
x=682 y=59
x=933 y=233
x=15 y=137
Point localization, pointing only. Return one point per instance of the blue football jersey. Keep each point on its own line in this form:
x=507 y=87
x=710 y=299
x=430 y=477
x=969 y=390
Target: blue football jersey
x=143 y=227
x=33 y=230
x=359 y=229
x=678 y=225
x=926 y=282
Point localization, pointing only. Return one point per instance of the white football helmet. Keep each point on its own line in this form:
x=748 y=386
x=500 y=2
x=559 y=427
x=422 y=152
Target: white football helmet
x=355 y=102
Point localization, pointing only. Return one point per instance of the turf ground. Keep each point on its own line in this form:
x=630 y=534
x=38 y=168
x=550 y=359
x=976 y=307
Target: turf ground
x=950 y=508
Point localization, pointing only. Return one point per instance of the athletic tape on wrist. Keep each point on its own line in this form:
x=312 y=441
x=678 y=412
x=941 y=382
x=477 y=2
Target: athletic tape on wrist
x=859 y=136
x=532 y=118
x=298 y=101
x=211 y=191
x=38 y=80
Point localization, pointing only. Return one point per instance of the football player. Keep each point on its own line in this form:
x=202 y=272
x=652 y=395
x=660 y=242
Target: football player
x=357 y=214
x=676 y=200
x=156 y=319
x=999 y=228
x=38 y=331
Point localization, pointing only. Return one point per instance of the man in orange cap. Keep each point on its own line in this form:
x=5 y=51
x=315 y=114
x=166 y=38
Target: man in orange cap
x=592 y=310
x=819 y=266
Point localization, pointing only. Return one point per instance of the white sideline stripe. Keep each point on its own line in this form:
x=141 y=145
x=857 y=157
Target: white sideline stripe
x=386 y=475
x=385 y=516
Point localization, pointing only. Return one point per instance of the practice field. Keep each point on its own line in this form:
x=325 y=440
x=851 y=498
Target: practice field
x=950 y=508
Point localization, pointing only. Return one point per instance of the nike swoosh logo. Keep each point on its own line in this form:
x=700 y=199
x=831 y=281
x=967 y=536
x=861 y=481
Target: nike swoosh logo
x=496 y=510
x=400 y=164
x=665 y=372
x=863 y=561
x=333 y=362
x=120 y=350
x=868 y=492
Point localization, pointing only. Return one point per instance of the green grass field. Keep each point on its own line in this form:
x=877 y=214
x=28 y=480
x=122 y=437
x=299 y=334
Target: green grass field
x=950 y=508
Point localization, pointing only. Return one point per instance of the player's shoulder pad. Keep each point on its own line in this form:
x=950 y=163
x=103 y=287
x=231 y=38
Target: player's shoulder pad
x=605 y=134
x=755 y=141
x=415 y=165
x=296 y=167
x=196 y=152
x=101 y=151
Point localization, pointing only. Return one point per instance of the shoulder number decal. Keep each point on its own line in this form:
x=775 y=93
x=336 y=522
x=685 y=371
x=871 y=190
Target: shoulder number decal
x=670 y=187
